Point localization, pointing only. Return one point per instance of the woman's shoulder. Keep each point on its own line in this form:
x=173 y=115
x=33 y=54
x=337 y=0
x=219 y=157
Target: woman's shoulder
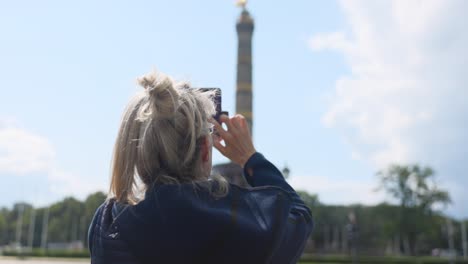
x=207 y=191
x=199 y=202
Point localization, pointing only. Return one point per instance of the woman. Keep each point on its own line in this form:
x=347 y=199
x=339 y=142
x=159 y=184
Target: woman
x=164 y=207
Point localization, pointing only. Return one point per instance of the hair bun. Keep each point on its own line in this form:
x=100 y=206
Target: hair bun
x=163 y=97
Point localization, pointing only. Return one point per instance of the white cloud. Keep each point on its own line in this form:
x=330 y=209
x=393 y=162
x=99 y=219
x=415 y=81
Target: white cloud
x=405 y=99
x=332 y=191
x=65 y=183
x=25 y=154
x=22 y=152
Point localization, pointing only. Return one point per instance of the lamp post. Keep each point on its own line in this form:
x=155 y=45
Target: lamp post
x=353 y=236
x=286 y=172
x=45 y=227
x=19 y=226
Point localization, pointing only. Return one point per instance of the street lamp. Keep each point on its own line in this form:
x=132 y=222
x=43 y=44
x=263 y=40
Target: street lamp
x=286 y=172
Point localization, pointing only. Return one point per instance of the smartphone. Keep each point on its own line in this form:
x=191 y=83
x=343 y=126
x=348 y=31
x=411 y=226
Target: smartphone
x=217 y=101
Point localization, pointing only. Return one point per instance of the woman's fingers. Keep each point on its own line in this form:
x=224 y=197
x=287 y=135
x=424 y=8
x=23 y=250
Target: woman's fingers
x=228 y=121
x=218 y=128
x=217 y=144
x=236 y=121
x=238 y=144
x=243 y=124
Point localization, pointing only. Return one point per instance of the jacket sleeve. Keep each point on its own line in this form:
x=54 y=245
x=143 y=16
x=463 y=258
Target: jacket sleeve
x=258 y=172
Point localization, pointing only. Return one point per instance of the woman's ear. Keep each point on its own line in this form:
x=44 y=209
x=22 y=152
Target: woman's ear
x=205 y=149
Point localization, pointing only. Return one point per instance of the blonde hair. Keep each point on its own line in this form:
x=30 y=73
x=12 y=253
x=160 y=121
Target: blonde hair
x=159 y=138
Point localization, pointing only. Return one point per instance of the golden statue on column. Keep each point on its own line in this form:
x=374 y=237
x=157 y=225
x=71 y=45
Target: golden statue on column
x=241 y=3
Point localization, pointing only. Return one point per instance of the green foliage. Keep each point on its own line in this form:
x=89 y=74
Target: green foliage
x=416 y=190
x=68 y=221
x=313 y=258
x=377 y=227
x=3 y=225
x=413 y=186
x=311 y=200
x=49 y=253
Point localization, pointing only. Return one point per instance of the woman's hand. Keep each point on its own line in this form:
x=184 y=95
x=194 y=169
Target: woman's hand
x=238 y=145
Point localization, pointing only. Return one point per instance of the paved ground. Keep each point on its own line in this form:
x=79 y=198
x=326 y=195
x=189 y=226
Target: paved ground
x=4 y=260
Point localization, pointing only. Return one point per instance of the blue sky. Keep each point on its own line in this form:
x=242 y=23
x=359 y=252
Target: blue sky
x=328 y=81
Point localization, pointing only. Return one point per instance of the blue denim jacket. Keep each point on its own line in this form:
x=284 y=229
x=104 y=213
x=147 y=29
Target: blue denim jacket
x=268 y=223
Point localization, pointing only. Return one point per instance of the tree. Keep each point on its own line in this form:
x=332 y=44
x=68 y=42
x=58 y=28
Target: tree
x=311 y=200
x=417 y=192
x=3 y=227
x=69 y=220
